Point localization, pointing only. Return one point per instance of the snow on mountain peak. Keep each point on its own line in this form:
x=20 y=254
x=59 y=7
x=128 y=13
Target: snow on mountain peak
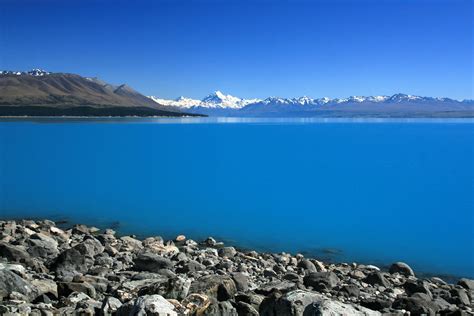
x=34 y=72
x=216 y=100
x=219 y=100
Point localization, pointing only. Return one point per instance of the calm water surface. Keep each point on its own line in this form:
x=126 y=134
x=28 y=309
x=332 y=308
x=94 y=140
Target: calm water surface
x=374 y=191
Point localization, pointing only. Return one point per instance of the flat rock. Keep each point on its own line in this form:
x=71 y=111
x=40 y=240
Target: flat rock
x=280 y=286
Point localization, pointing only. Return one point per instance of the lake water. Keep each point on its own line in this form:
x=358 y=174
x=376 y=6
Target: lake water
x=374 y=191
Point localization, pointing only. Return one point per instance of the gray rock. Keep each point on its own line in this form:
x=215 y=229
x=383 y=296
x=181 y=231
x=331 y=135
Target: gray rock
x=416 y=305
x=377 y=278
x=175 y=288
x=466 y=283
x=376 y=303
x=280 y=286
x=147 y=305
x=299 y=303
x=307 y=265
x=191 y=266
x=351 y=290
x=72 y=261
x=228 y=252
x=41 y=245
x=11 y=282
x=412 y=287
x=66 y=288
x=14 y=253
x=241 y=281
x=211 y=242
x=292 y=277
x=17 y=268
x=110 y=305
x=80 y=230
x=461 y=296
x=90 y=247
x=46 y=287
x=402 y=268
x=269 y=273
x=220 y=309
x=321 y=280
x=220 y=287
x=152 y=262
x=245 y=309
x=130 y=244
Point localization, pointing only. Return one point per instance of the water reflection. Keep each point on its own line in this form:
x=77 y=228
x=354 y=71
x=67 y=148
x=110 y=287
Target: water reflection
x=228 y=120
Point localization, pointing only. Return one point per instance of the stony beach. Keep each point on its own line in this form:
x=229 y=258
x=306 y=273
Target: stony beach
x=46 y=270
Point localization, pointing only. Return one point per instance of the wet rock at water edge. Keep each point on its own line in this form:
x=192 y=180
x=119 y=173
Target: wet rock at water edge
x=402 y=268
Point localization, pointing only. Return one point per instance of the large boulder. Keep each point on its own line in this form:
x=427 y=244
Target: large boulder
x=241 y=281
x=147 y=305
x=152 y=262
x=173 y=288
x=228 y=252
x=307 y=265
x=467 y=284
x=321 y=280
x=110 y=305
x=78 y=259
x=130 y=244
x=41 y=245
x=299 y=303
x=402 y=268
x=377 y=278
x=411 y=287
x=90 y=247
x=66 y=288
x=14 y=253
x=220 y=309
x=416 y=305
x=71 y=262
x=45 y=287
x=220 y=287
x=10 y=282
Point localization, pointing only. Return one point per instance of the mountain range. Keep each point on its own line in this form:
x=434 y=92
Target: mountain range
x=397 y=105
x=41 y=93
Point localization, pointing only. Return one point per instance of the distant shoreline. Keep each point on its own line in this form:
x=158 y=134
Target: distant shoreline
x=237 y=119
x=88 y=111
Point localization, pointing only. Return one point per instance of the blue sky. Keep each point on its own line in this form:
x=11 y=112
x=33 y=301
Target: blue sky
x=249 y=48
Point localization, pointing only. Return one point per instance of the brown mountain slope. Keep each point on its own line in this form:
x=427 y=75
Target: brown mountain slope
x=61 y=94
x=65 y=90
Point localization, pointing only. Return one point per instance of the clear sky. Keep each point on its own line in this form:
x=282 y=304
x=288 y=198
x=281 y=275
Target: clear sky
x=248 y=48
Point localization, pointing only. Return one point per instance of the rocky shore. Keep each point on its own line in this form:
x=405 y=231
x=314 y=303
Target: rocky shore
x=46 y=270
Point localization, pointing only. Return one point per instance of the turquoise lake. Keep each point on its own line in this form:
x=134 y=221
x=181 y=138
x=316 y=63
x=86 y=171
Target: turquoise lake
x=371 y=191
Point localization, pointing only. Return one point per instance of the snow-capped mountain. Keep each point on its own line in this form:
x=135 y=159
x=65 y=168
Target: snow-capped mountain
x=33 y=72
x=219 y=104
x=180 y=102
x=216 y=100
